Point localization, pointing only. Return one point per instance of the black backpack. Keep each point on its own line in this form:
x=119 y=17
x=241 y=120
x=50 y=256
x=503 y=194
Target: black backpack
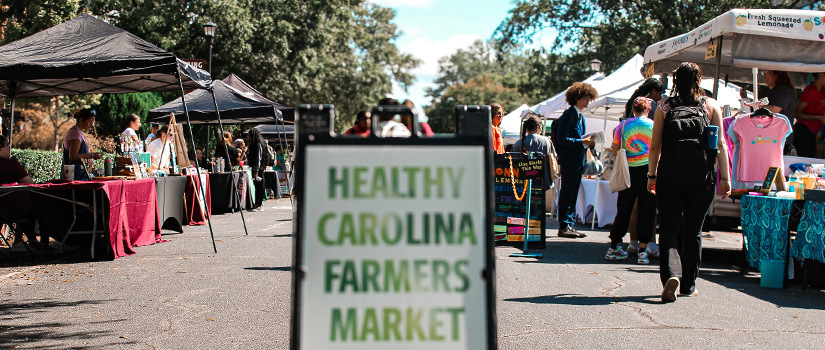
x=554 y=133
x=686 y=158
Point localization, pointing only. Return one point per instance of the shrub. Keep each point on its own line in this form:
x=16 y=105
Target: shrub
x=44 y=166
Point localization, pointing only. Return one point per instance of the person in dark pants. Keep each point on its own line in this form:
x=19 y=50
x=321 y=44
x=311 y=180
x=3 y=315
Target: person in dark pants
x=572 y=147
x=683 y=197
x=633 y=135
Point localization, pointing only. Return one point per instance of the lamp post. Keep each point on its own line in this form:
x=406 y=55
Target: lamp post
x=209 y=30
x=595 y=65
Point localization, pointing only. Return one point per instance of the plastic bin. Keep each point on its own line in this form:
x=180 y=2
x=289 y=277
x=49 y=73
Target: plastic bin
x=773 y=273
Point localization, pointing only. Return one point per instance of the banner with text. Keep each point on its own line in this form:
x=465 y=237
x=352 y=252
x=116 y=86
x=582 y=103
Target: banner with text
x=394 y=248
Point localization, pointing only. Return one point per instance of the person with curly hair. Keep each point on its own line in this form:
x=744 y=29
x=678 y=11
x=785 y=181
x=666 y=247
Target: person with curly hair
x=572 y=148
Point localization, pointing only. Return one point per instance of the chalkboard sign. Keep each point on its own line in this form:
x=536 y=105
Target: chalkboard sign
x=770 y=177
x=508 y=221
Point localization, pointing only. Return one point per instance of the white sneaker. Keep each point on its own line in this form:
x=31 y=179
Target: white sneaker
x=643 y=260
x=615 y=254
x=652 y=250
x=633 y=248
x=669 y=291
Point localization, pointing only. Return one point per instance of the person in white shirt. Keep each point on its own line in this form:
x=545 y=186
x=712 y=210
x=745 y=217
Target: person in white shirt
x=130 y=127
x=160 y=148
x=155 y=127
x=387 y=127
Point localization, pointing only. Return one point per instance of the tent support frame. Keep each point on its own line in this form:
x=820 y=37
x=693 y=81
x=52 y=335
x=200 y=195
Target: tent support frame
x=718 y=64
x=226 y=149
x=202 y=188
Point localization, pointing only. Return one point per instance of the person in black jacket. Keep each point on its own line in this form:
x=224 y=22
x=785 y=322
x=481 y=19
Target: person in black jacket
x=572 y=147
x=254 y=153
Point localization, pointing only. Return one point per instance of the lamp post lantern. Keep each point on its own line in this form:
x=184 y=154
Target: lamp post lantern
x=209 y=30
x=595 y=65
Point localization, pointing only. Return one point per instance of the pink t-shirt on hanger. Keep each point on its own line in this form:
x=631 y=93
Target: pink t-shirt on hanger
x=761 y=141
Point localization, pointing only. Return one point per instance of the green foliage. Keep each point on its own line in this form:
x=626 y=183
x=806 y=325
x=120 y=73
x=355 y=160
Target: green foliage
x=338 y=51
x=114 y=108
x=481 y=90
x=25 y=17
x=42 y=166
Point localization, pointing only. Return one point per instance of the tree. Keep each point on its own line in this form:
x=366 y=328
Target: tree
x=480 y=90
x=21 y=18
x=615 y=30
x=337 y=51
x=114 y=108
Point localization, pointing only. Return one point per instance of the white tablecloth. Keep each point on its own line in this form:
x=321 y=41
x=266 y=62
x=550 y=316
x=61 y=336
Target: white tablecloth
x=606 y=208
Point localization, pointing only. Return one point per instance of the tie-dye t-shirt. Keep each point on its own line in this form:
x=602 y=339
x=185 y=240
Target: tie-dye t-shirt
x=636 y=134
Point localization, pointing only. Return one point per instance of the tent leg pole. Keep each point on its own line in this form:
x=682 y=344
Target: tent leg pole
x=202 y=187
x=206 y=147
x=234 y=189
x=283 y=149
x=11 y=123
x=718 y=63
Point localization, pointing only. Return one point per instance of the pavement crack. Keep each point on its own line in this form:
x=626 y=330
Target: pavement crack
x=712 y=329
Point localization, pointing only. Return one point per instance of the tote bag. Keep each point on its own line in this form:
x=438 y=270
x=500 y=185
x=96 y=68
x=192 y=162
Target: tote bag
x=620 y=179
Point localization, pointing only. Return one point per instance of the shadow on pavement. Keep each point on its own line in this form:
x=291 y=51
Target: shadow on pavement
x=262 y=268
x=16 y=333
x=583 y=300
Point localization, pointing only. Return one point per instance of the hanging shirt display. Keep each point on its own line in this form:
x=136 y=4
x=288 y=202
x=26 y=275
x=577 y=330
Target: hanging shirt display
x=758 y=142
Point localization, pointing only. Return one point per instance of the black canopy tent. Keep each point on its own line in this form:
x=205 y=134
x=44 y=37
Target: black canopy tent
x=239 y=104
x=236 y=107
x=88 y=56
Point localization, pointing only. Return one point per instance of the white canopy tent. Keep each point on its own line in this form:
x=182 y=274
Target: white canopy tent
x=557 y=104
x=511 y=124
x=786 y=40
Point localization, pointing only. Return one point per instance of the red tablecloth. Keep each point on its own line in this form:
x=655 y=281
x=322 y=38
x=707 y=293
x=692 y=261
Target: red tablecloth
x=193 y=210
x=133 y=210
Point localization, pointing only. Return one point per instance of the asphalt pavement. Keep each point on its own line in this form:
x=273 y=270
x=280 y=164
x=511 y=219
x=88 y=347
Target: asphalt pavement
x=181 y=295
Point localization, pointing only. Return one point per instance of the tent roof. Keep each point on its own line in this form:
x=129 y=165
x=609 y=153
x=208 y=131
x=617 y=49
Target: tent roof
x=239 y=84
x=236 y=107
x=88 y=56
x=787 y=40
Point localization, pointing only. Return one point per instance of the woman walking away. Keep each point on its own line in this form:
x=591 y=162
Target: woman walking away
x=634 y=136
x=572 y=151
x=681 y=175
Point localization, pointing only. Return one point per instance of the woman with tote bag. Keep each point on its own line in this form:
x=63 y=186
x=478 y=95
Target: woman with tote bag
x=631 y=144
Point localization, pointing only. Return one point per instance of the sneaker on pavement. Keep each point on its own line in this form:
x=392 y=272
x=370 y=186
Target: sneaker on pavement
x=692 y=294
x=615 y=254
x=632 y=249
x=652 y=250
x=570 y=232
x=643 y=260
x=669 y=291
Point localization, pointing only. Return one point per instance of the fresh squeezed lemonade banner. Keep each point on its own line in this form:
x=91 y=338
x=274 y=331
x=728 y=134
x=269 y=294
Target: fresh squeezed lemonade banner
x=394 y=248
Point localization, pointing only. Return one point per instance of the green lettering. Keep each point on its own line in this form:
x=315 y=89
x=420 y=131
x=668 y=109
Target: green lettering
x=329 y=274
x=466 y=229
x=456 y=181
x=435 y=323
x=392 y=322
x=460 y=269
x=379 y=183
x=370 y=325
x=414 y=324
x=346 y=330
x=346 y=232
x=366 y=224
x=455 y=312
x=419 y=274
x=335 y=182
x=393 y=279
x=441 y=270
x=411 y=240
x=349 y=279
x=386 y=229
x=431 y=181
x=322 y=225
x=411 y=171
x=445 y=229
x=394 y=179
x=359 y=182
x=369 y=275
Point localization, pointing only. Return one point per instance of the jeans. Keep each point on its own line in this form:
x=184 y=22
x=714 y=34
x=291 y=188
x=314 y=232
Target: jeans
x=571 y=179
x=682 y=211
x=624 y=206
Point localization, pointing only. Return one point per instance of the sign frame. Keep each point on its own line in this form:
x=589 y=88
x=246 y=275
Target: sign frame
x=315 y=128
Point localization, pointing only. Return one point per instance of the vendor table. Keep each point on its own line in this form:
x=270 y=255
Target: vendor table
x=131 y=208
x=222 y=185
x=605 y=205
